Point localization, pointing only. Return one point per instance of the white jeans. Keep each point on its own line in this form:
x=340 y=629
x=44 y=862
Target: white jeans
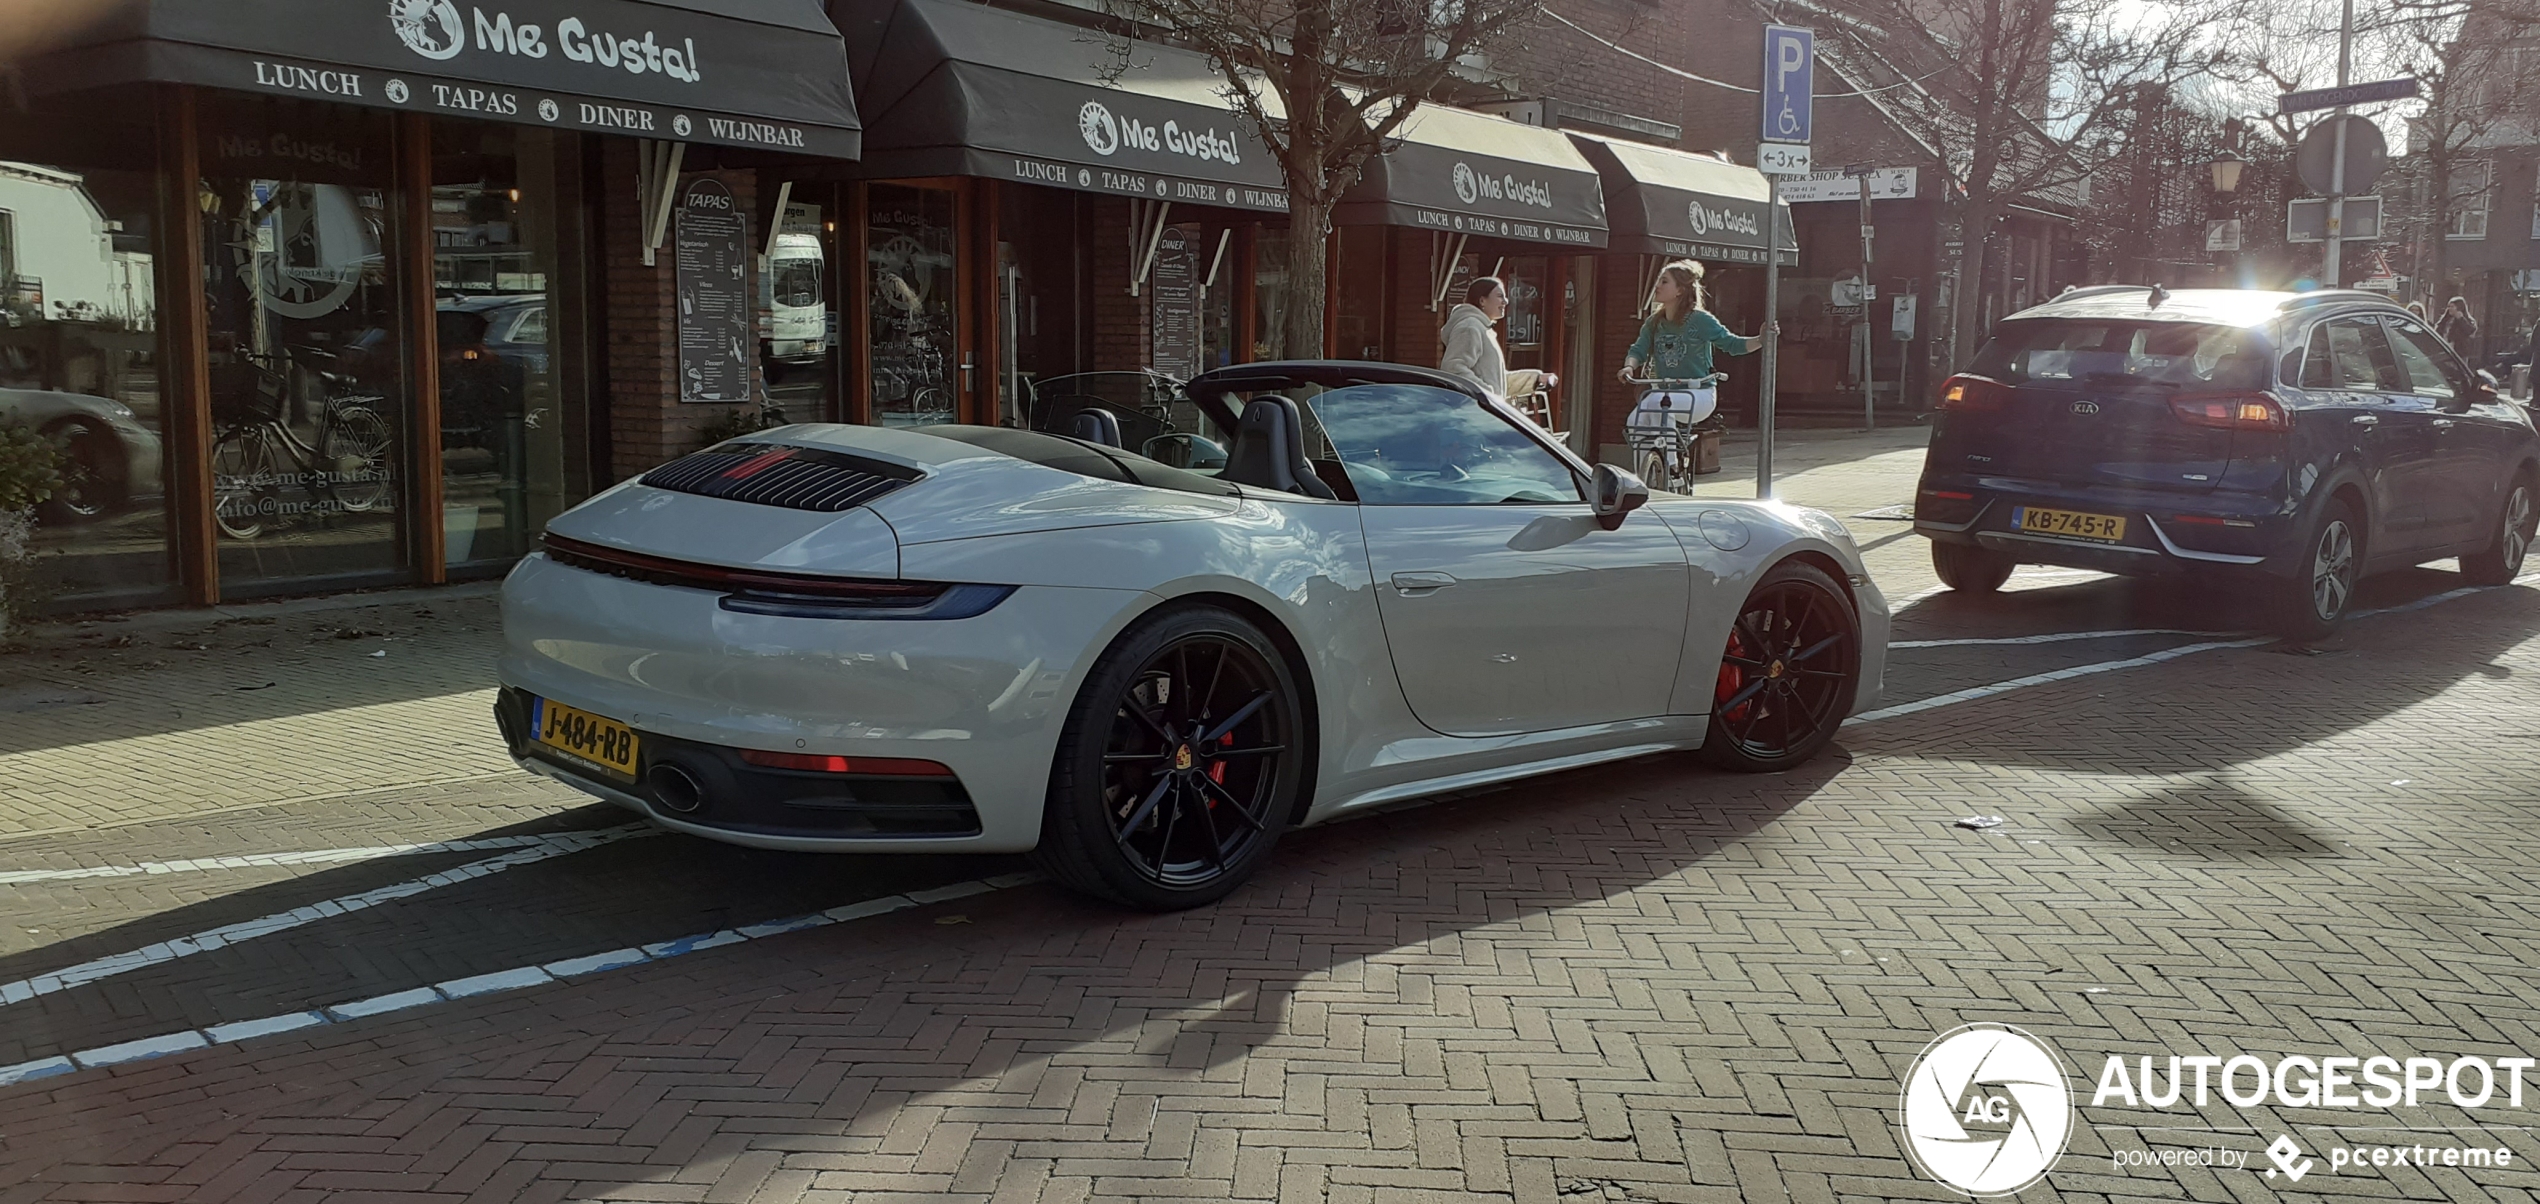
x=1659 y=409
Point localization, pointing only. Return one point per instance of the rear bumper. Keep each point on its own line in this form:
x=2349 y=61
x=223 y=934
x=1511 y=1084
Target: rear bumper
x=985 y=696
x=2164 y=534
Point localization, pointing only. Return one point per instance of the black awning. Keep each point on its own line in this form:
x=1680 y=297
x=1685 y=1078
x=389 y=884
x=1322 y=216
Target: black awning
x=1461 y=172
x=957 y=88
x=1687 y=206
x=768 y=74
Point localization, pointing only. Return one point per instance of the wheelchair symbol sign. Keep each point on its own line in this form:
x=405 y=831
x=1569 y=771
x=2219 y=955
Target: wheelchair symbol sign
x=1790 y=58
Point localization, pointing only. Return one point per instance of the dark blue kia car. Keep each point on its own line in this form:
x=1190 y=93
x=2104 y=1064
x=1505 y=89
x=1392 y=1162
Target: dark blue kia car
x=2289 y=443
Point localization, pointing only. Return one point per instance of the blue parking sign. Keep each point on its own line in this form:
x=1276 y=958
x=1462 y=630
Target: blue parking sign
x=1790 y=64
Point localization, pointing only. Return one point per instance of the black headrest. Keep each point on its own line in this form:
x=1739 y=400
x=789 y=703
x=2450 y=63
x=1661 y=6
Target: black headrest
x=1269 y=449
x=1094 y=424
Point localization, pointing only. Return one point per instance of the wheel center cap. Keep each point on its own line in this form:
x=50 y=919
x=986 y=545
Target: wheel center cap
x=1182 y=758
x=1775 y=670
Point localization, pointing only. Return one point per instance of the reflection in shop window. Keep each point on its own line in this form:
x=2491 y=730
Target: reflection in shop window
x=503 y=435
x=305 y=339
x=797 y=331
x=79 y=364
x=910 y=285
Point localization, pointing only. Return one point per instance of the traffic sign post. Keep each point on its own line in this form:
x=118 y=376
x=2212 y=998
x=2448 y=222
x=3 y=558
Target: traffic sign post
x=1790 y=68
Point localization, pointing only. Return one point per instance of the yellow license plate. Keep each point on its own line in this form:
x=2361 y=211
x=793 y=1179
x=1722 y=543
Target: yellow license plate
x=584 y=737
x=2069 y=524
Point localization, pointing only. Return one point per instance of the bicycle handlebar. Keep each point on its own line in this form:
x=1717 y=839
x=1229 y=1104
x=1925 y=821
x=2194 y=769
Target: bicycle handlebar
x=1660 y=382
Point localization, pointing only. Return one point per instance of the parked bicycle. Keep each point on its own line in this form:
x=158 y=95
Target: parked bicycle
x=342 y=465
x=1661 y=429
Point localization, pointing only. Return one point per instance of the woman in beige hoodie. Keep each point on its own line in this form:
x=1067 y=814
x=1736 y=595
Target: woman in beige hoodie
x=1472 y=348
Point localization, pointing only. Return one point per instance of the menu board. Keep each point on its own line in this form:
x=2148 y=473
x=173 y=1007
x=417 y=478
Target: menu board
x=711 y=253
x=1173 y=284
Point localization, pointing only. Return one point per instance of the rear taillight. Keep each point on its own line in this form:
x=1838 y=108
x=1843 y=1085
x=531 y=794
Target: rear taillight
x=893 y=767
x=2230 y=411
x=1972 y=394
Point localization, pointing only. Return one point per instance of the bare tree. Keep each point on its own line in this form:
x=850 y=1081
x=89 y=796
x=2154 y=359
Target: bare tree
x=1326 y=84
x=2023 y=98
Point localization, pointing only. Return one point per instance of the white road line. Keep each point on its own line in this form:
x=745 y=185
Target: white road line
x=229 y=934
x=487 y=984
x=2052 y=637
x=484 y=844
x=2038 y=679
x=2152 y=658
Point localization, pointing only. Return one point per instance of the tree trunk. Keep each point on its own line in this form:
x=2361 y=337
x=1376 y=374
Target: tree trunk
x=1309 y=241
x=1975 y=232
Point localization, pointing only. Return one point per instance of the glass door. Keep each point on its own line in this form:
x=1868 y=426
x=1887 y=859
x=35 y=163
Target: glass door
x=306 y=343
x=917 y=343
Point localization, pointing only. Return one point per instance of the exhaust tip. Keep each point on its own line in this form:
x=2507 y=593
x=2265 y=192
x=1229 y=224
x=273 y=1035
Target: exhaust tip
x=675 y=788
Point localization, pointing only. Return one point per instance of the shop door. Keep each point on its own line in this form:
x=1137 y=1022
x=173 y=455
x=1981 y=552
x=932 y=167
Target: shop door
x=917 y=327
x=307 y=344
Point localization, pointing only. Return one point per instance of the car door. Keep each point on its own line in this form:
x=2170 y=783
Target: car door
x=2469 y=445
x=1507 y=605
x=2389 y=431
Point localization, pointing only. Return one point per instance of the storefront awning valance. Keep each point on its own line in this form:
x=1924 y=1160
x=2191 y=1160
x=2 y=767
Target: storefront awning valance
x=958 y=88
x=1668 y=202
x=1460 y=172
x=766 y=74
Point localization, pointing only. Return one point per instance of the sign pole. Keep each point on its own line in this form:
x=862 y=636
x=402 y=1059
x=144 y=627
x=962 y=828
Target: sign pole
x=1772 y=340
x=2333 y=265
x=1869 y=344
x=1788 y=97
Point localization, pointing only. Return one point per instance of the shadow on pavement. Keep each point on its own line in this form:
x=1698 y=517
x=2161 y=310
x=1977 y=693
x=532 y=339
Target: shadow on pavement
x=1023 y=983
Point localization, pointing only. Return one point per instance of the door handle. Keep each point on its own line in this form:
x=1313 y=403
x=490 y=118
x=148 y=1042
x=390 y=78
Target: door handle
x=1413 y=585
x=2442 y=424
x=2366 y=420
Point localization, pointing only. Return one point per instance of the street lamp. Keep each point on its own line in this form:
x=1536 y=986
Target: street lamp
x=2226 y=168
x=2222 y=228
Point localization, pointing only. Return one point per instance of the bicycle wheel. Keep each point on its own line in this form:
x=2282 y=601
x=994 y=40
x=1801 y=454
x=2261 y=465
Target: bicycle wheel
x=242 y=481
x=355 y=453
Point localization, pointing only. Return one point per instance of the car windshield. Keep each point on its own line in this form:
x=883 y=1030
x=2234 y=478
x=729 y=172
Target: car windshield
x=2055 y=350
x=1423 y=445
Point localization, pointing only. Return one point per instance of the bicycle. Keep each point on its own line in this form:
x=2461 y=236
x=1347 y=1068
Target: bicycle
x=1660 y=430
x=345 y=466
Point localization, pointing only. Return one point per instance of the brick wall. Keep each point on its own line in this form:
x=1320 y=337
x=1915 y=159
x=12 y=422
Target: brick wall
x=1551 y=59
x=637 y=322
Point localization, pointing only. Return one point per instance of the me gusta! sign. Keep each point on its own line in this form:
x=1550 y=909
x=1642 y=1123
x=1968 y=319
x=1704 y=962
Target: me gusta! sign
x=433 y=29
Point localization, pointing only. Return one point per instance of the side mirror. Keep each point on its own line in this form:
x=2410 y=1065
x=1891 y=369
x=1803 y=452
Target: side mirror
x=1613 y=493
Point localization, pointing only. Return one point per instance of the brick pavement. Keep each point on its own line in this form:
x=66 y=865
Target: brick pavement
x=1640 y=982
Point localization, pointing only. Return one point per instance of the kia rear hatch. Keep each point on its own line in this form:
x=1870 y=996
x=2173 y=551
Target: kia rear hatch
x=2107 y=402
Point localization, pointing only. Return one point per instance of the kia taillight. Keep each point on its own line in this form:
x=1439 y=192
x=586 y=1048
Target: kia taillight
x=1971 y=394
x=2230 y=411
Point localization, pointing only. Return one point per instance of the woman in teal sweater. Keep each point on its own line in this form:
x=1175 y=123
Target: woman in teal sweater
x=1678 y=337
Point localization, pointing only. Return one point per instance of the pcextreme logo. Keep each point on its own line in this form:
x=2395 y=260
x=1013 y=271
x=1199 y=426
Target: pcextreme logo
x=1986 y=1109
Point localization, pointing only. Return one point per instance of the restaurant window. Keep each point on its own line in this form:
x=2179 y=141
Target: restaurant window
x=1528 y=280
x=911 y=292
x=79 y=358
x=797 y=318
x=304 y=333
x=504 y=437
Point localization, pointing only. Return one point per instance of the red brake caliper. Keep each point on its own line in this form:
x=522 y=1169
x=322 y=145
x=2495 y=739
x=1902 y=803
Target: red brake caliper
x=1732 y=679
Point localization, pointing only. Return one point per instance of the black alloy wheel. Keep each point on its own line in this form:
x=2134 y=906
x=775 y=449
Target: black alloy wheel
x=1179 y=766
x=1786 y=677
x=2501 y=561
x=2312 y=603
